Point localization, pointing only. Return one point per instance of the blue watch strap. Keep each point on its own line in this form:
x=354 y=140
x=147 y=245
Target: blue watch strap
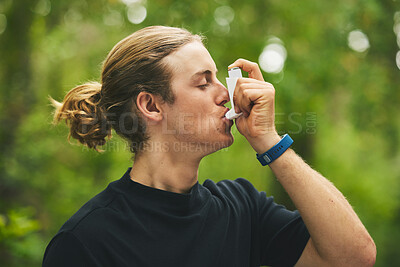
x=276 y=151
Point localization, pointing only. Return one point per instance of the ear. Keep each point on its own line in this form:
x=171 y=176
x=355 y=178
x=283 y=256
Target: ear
x=149 y=106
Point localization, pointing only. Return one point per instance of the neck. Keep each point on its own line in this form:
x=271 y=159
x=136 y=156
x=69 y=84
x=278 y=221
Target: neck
x=166 y=170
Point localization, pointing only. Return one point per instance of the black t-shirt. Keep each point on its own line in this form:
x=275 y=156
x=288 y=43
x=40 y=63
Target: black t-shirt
x=228 y=223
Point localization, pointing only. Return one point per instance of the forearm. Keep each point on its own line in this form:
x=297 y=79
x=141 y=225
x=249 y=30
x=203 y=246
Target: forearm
x=337 y=235
x=335 y=229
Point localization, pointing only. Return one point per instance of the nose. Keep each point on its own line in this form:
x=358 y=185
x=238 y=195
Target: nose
x=223 y=95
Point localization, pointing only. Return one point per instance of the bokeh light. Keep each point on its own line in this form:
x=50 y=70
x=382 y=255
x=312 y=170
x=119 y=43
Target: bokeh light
x=43 y=7
x=396 y=27
x=72 y=18
x=3 y=23
x=358 y=41
x=113 y=18
x=130 y=2
x=224 y=15
x=136 y=13
x=273 y=57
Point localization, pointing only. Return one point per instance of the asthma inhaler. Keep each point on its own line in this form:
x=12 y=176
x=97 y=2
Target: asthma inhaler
x=233 y=74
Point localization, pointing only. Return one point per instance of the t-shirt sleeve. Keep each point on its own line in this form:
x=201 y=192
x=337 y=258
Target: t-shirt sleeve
x=281 y=233
x=67 y=250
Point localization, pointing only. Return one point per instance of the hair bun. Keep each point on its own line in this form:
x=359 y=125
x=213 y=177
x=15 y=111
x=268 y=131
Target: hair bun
x=82 y=113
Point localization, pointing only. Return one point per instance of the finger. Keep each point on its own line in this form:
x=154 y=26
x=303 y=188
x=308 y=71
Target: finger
x=251 y=68
x=242 y=101
x=245 y=99
x=249 y=82
x=245 y=84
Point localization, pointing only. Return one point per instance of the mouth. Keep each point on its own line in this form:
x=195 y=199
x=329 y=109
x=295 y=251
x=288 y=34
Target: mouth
x=227 y=121
x=228 y=125
x=226 y=111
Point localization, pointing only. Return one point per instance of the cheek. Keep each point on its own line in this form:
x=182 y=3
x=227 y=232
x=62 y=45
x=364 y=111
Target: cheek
x=209 y=122
x=197 y=109
x=196 y=115
x=189 y=118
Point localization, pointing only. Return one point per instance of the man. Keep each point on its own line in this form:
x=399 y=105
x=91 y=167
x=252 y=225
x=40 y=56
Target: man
x=158 y=214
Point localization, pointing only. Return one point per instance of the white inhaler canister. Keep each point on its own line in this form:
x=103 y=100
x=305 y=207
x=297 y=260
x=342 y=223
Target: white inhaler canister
x=233 y=74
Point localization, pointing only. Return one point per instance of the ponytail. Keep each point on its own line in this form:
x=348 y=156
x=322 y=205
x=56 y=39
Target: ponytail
x=82 y=113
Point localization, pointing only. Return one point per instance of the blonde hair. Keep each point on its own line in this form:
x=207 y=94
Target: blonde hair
x=134 y=65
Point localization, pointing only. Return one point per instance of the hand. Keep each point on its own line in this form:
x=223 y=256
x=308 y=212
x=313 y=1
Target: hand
x=256 y=99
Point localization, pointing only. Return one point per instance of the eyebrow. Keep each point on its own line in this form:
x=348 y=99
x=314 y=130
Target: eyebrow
x=201 y=73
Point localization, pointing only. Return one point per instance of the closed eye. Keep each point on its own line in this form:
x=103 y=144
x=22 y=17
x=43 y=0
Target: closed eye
x=203 y=86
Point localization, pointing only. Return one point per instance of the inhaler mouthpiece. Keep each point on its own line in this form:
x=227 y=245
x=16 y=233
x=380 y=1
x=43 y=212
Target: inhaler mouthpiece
x=233 y=74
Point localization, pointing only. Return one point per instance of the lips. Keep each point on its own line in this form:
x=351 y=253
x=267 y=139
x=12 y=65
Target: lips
x=226 y=111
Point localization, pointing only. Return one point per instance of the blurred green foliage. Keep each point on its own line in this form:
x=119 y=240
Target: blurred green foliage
x=340 y=106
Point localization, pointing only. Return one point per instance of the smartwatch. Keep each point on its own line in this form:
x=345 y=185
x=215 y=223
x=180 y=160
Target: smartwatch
x=276 y=151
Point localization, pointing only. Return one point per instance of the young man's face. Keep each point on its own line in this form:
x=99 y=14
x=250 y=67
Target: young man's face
x=196 y=118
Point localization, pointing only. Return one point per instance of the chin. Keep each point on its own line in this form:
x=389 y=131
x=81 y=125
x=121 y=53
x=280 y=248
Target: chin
x=230 y=141
x=227 y=141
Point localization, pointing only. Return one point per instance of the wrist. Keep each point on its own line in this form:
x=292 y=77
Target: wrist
x=264 y=143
